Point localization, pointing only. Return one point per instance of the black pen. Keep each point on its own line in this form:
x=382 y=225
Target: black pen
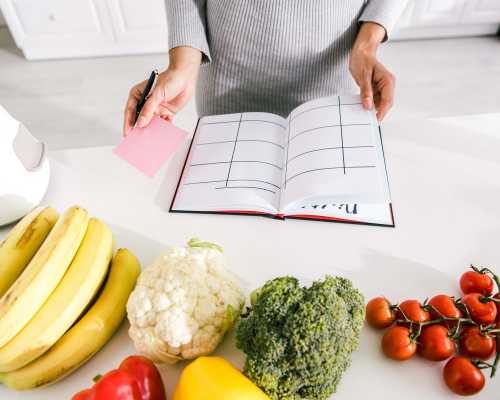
x=145 y=94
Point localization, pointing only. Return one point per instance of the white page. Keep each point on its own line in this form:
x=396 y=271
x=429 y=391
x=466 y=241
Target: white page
x=334 y=151
x=377 y=213
x=235 y=164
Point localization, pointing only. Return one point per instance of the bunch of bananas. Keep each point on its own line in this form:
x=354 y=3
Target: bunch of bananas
x=54 y=315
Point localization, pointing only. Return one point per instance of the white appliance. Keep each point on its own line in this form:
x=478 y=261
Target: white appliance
x=24 y=170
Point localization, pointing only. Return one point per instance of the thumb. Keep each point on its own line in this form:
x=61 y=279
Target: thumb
x=367 y=92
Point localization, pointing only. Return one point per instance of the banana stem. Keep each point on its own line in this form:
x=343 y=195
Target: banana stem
x=2 y=377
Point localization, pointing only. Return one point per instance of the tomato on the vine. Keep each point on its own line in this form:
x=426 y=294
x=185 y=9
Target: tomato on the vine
x=475 y=344
x=379 y=313
x=414 y=311
x=463 y=377
x=443 y=306
x=398 y=344
x=482 y=310
x=476 y=282
x=497 y=296
x=435 y=344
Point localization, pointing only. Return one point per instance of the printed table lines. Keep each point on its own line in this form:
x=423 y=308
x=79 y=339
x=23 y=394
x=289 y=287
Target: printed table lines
x=328 y=148
x=234 y=149
x=237 y=161
x=232 y=180
x=246 y=187
x=327 y=168
x=324 y=106
x=244 y=120
x=341 y=135
x=241 y=140
x=323 y=127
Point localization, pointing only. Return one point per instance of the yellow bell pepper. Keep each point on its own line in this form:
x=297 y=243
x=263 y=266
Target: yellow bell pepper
x=213 y=378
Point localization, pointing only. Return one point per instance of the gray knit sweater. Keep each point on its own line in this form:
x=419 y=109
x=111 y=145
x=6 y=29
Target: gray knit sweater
x=272 y=55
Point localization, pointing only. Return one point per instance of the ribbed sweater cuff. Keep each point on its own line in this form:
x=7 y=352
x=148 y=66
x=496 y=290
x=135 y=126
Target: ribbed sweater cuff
x=186 y=22
x=383 y=12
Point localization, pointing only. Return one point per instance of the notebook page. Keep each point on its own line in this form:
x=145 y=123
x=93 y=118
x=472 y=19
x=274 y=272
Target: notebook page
x=326 y=208
x=235 y=164
x=334 y=150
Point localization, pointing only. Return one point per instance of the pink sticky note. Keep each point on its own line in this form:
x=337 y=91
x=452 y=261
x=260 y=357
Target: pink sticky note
x=148 y=148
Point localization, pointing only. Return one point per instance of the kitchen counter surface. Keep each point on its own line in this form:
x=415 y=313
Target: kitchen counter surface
x=445 y=182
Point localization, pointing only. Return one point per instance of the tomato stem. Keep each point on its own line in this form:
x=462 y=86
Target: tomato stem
x=486 y=270
x=497 y=358
x=490 y=299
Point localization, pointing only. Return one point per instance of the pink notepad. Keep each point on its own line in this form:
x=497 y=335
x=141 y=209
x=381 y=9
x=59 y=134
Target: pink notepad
x=149 y=148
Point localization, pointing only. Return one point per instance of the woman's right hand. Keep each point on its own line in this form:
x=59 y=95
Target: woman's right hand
x=174 y=88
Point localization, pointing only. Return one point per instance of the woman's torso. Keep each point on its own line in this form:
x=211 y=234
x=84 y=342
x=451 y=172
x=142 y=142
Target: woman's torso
x=272 y=55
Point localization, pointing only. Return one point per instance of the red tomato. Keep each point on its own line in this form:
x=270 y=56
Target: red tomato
x=379 y=313
x=397 y=343
x=481 y=311
x=463 y=377
x=475 y=282
x=474 y=344
x=443 y=305
x=497 y=296
x=434 y=343
x=413 y=311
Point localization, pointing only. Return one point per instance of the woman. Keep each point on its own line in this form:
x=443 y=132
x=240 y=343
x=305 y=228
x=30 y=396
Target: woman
x=270 y=55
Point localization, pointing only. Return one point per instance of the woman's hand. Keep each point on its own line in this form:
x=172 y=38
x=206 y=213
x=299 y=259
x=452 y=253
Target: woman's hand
x=173 y=89
x=376 y=82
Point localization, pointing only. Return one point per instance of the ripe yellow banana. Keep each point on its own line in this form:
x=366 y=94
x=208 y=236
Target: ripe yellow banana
x=70 y=298
x=22 y=242
x=88 y=335
x=44 y=272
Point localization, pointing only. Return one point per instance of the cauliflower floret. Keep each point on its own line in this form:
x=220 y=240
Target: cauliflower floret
x=183 y=303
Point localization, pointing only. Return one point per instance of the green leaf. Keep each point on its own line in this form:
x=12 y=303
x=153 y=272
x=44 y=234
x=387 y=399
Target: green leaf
x=195 y=242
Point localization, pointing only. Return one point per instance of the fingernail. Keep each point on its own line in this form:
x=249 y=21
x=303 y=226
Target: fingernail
x=141 y=122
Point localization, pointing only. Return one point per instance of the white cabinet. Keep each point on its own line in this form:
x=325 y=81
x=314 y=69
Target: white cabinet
x=482 y=11
x=445 y=18
x=139 y=26
x=78 y=28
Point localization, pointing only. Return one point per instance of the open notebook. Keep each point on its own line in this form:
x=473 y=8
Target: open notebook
x=325 y=161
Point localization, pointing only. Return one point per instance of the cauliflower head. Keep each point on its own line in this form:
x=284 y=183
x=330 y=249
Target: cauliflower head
x=183 y=303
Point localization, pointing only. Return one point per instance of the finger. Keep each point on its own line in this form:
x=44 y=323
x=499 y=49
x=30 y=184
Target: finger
x=165 y=111
x=150 y=108
x=129 y=117
x=386 y=101
x=130 y=107
x=367 y=91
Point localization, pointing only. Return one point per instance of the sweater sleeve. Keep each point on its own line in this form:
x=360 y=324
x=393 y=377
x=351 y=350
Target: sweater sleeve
x=383 y=12
x=187 y=25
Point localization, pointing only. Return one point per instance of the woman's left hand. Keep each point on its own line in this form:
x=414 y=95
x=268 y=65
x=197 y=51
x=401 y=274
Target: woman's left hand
x=376 y=82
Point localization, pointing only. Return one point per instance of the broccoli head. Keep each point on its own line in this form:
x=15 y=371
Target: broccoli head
x=299 y=340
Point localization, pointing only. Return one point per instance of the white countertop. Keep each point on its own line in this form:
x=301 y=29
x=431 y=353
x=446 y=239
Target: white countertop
x=445 y=181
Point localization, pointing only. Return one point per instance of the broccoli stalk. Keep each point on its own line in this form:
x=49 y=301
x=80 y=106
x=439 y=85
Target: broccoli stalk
x=299 y=341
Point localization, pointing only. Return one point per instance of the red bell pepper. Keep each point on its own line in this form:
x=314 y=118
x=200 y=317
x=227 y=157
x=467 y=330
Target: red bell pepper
x=135 y=379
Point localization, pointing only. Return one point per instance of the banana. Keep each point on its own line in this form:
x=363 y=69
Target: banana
x=70 y=298
x=22 y=242
x=88 y=335
x=28 y=293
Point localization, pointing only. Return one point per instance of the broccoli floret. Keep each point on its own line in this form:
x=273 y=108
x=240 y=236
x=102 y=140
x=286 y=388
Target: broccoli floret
x=299 y=341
